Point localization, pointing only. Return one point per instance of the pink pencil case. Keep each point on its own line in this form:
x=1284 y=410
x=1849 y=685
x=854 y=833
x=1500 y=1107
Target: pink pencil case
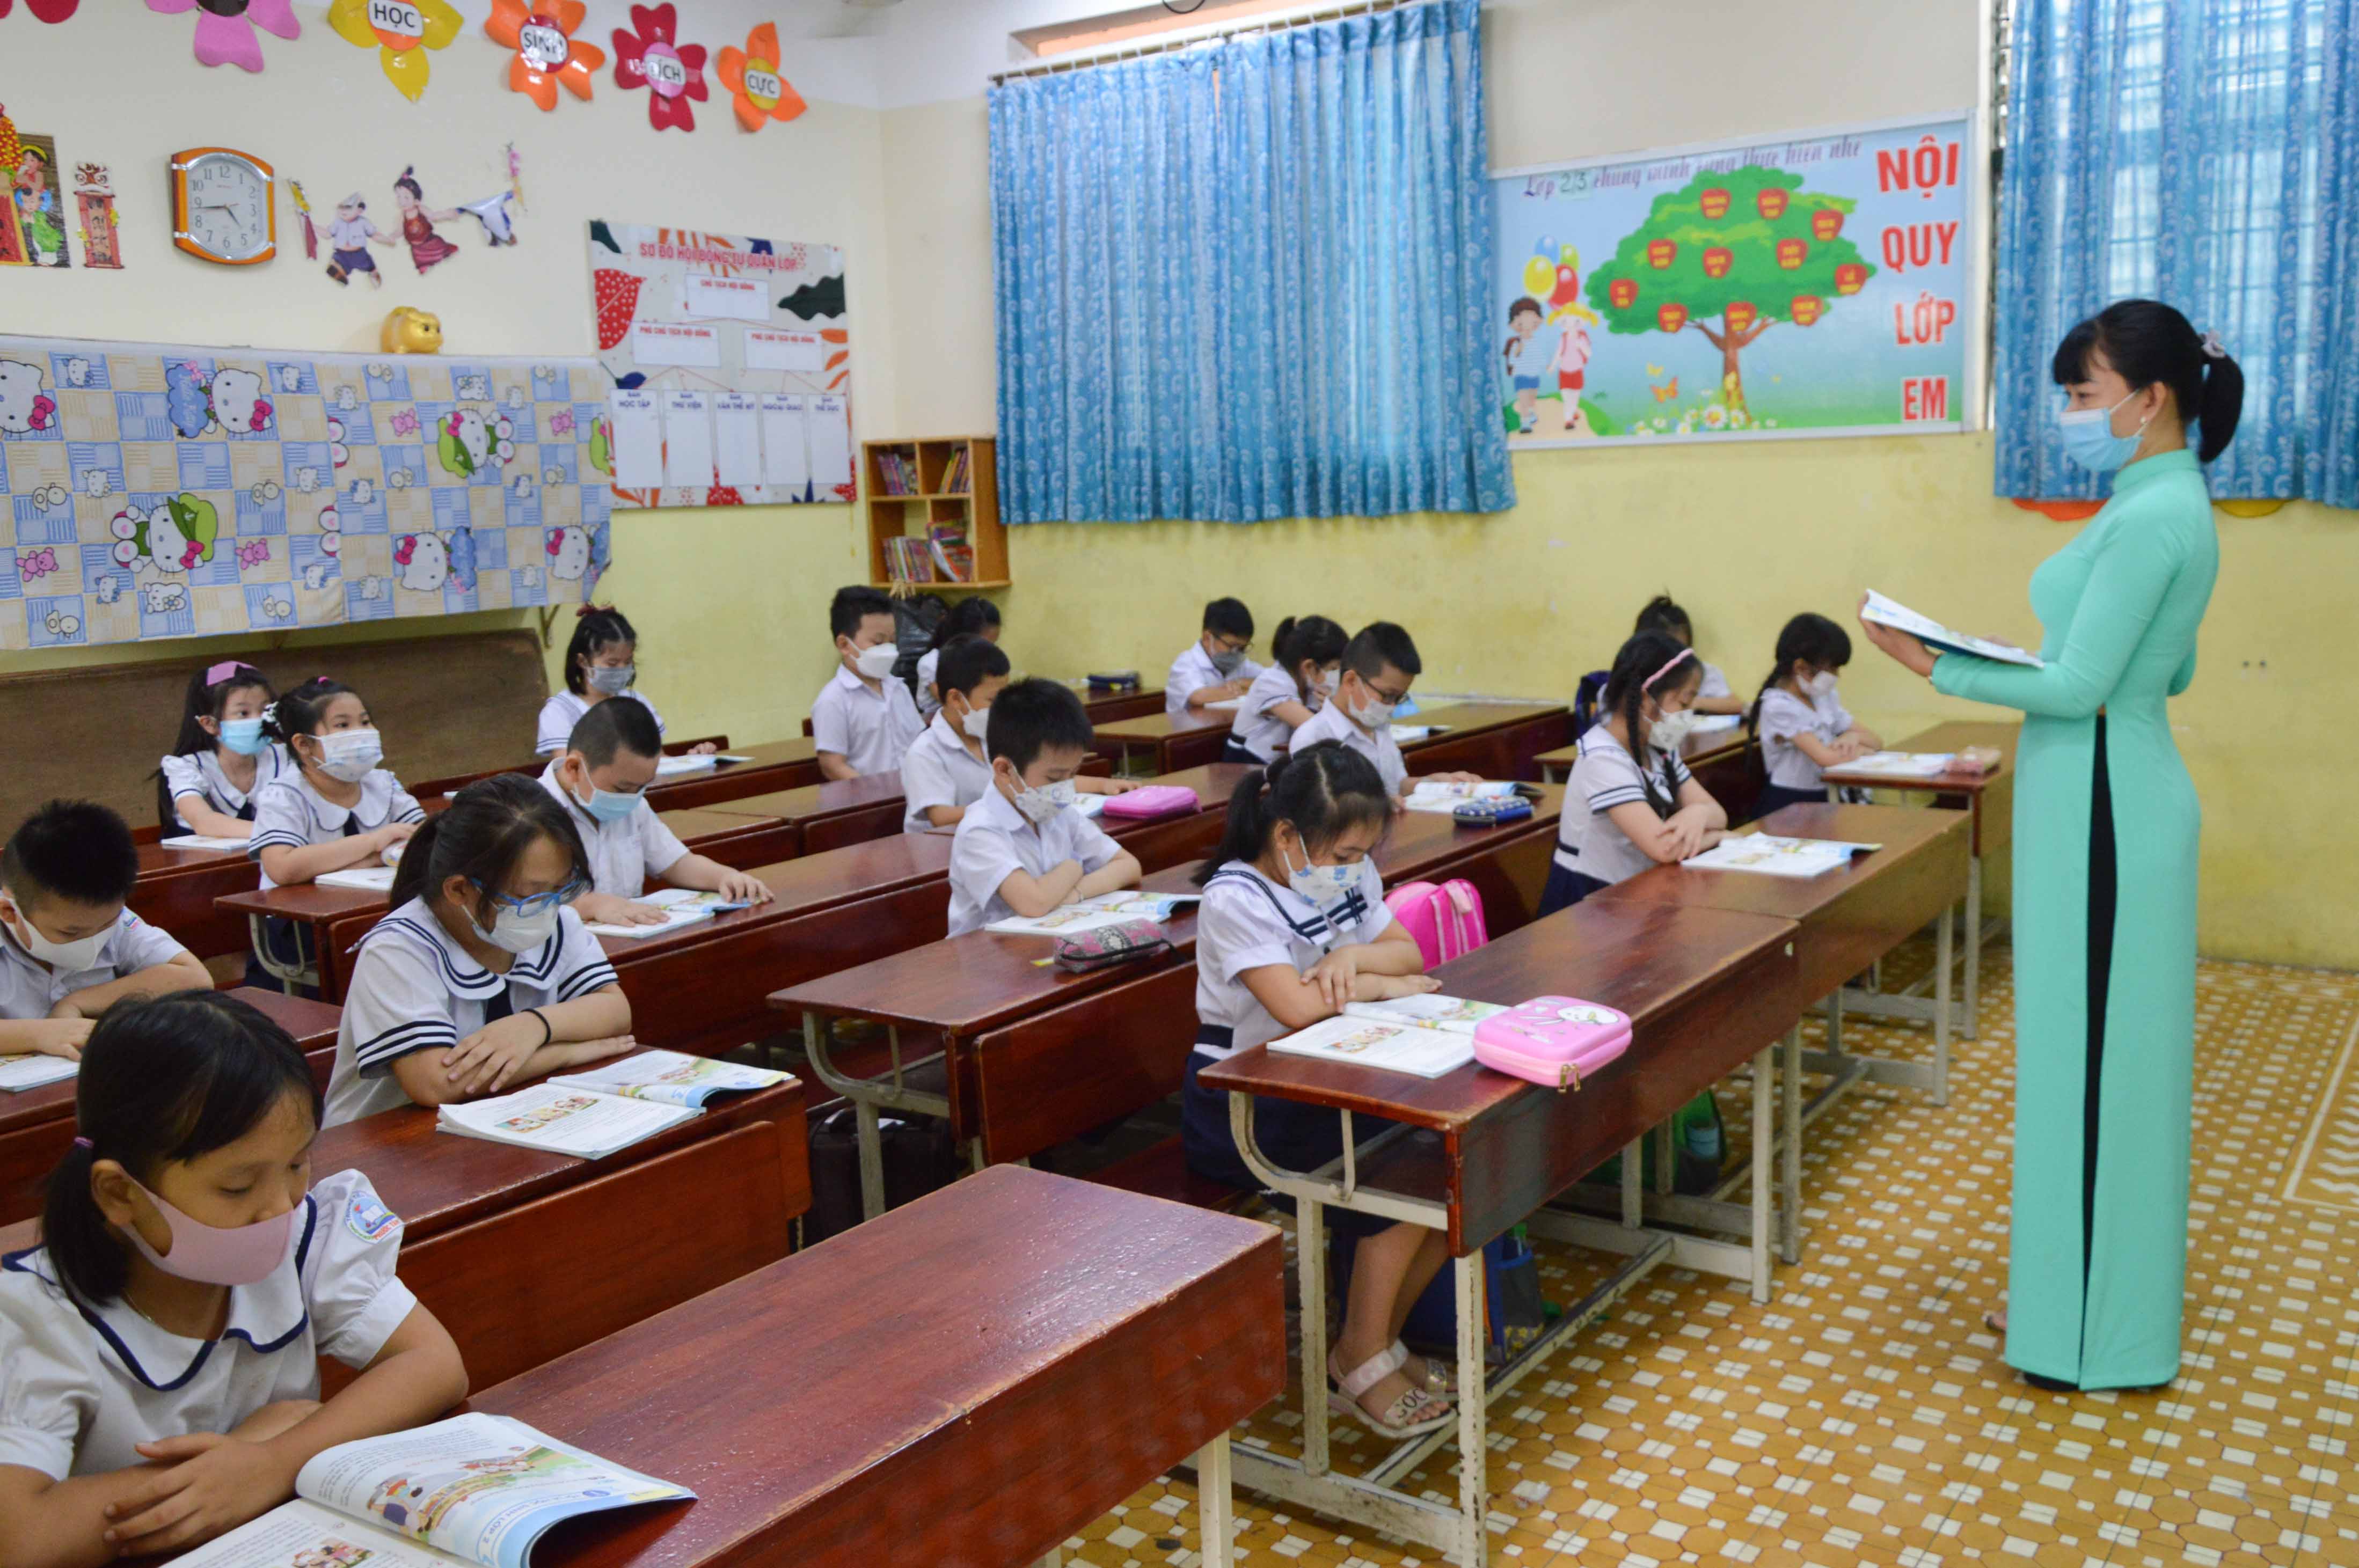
x=1552 y=1040
x=1152 y=801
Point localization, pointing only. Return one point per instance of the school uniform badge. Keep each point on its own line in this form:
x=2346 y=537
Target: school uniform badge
x=371 y=1220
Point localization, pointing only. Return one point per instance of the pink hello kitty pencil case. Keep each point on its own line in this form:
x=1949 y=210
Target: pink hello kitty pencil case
x=1150 y=801
x=1552 y=1040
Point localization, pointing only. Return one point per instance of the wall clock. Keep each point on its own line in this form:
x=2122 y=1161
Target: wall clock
x=224 y=206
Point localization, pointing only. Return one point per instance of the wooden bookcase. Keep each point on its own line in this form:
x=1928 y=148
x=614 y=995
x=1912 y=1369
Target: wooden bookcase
x=973 y=505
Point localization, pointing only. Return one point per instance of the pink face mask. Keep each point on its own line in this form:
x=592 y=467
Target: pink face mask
x=241 y=1255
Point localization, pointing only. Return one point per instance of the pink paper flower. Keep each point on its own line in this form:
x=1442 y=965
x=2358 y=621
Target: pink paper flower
x=225 y=27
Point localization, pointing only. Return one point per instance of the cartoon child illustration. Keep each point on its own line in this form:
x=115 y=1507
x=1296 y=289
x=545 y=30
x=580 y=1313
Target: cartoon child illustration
x=1523 y=320
x=349 y=238
x=427 y=249
x=392 y=1501
x=25 y=408
x=1570 y=360
x=40 y=214
x=424 y=561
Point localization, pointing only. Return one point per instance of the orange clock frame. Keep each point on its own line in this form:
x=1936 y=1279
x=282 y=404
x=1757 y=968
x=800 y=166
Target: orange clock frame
x=179 y=172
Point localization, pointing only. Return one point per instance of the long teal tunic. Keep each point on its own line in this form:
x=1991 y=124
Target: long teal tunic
x=2099 y=1238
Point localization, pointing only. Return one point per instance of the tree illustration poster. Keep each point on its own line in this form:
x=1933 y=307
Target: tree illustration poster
x=1808 y=286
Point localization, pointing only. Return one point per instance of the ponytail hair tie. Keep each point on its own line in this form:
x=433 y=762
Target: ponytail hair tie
x=583 y=611
x=82 y=1142
x=2212 y=347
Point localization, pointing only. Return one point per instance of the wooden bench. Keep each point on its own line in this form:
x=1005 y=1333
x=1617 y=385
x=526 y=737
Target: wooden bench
x=37 y=1126
x=924 y=1390
x=1171 y=742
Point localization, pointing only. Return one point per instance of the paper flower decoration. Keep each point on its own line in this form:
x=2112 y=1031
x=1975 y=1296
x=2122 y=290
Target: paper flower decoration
x=45 y=10
x=546 y=51
x=751 y=76
x=401 y=34
x=225 y=27
x=672 y=72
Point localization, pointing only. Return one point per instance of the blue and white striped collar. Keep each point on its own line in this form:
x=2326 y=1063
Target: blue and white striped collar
x=1319 y=926
x=415 y=923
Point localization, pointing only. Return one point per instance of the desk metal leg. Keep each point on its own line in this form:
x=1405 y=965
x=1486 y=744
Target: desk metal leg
x=1473 y=1410
x=869 y=1096
x=1764 y=1086
x=300 y=973
x=1941 y=958
x=1311 y=1260
x=1212 y=1502
x=1974 y=947
x=1790 y=1181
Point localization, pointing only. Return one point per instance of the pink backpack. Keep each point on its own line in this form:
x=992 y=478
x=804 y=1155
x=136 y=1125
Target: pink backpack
x=1446 y=920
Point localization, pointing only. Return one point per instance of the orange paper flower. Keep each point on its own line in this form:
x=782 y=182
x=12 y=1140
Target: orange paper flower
x=751 y=75
x=546 y=50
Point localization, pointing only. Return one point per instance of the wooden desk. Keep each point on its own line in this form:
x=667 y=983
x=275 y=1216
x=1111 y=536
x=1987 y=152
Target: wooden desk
x=1988 y=799
x=1033 y=1056
x=775 y=765
x=1496 y=739
x=829 y=815
x=1109 y=707
x=1474 y=1152
x=1849 y=918
x=37 y=1126
x=1036 y=1386
x=1172 y=742
x=176 y=892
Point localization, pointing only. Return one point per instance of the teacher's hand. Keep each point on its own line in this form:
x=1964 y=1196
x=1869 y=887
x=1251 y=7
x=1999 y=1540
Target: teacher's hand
x=1903 y=648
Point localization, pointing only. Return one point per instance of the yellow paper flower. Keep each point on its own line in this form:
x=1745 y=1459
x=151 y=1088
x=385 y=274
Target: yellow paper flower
x=401 y=30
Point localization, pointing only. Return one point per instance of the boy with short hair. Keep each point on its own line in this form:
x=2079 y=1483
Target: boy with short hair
x=864 y=718
x=946 y=769
x=1380 y=665
x=69 y=948
x=601 y=778
x=1214 y=668
x=1021 y=849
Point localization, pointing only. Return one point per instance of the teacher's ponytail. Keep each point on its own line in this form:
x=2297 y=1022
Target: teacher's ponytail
x=2148 y=342
x=2222 y=403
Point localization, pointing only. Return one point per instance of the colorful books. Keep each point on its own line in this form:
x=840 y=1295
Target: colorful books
x=908 y=560
x=895 y=473
x=560 y=1120
x=477 y=1488
x=668 y=1077
x=1389 y=1047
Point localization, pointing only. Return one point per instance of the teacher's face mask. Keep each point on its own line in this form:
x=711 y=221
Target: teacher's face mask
x=2089 y=440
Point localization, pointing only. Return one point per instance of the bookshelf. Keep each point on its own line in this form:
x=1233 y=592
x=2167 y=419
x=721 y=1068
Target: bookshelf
x=940 y=494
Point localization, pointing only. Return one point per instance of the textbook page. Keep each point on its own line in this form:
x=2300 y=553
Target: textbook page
x=1429 y=794
x=1405 y=733
x=305 y=1535
x=480 y=1488
x=681 y=907
x=1390 y=1047
x=670 y=1077
x=1773 y=856
x=562 y=1120
x=198 y=841
x=1933 y=634
x=365 y=878
x=1899 y=764
x=1451 y=1014
x=1091 y=806
x=672 y=767
x=1091 y=914
x=33 y=1069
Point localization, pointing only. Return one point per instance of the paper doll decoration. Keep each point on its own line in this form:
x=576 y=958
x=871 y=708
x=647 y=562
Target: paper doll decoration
x=546 y=50
x=427 y=249
x=45 y=10
x=401 y=33
x=649 y=55
x=225 y=27
x=94 y=200
x=750 y=75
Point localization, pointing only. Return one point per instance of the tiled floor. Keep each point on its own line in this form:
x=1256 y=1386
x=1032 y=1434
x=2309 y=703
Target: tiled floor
x=1864 y=1416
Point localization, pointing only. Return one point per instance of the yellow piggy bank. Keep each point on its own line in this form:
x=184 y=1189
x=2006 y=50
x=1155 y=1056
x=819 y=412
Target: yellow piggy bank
x=411 y=331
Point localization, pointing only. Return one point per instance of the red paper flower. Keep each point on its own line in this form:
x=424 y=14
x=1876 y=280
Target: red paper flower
x=46 y=10
x=649 y=55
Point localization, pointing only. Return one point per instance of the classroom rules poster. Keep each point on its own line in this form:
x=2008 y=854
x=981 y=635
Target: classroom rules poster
x=1808 y=286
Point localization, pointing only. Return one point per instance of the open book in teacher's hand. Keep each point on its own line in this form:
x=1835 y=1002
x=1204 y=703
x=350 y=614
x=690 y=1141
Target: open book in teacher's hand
x=478 y=1489
x=1933 y=634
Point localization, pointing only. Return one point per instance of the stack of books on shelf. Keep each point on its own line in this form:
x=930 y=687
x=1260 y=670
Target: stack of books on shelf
x=896 y=474
x=951 y=552
x=955 y=482
x=907 y=559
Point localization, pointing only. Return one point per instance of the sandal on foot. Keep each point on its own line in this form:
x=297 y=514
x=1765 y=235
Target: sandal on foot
x=1413 y=1413
x=1440 y=1377
x=1995 y=1321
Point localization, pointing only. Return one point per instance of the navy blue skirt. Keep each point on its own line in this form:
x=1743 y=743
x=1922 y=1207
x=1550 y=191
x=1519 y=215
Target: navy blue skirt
x=1566 y=888
x=1776 y=798
x=1294 y=1136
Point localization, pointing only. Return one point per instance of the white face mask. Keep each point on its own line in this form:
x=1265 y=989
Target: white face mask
x=1323 y=885
x=876 y=663
x=612 y=679
x=1328 y=681
x=1041 y=804
x=1372 y=715
x=1666 y=733
x=976 y=720
x=1820 y=685
x=516 y=933
x=66 y=957
x=350 y=755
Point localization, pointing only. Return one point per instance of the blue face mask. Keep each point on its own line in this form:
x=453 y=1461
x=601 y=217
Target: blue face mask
x=243 y=736
x=2089 y=440
x=608 y=805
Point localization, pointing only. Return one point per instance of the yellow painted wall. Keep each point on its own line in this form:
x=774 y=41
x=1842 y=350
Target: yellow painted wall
x=731 y=604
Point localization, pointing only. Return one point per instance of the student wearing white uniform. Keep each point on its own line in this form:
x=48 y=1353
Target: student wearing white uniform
x=600 y=662
x=1021 y=849
x=1805 y=728
x=1308 y=655
x=222 y=757
x=1620 y=818
x=1716 y=696
x=864 y=719
x=481 y=980
x=69 y=948
x=974 y=616
x=1214 y=668
x=946 y=770
x=1293 y=927
x=1380 y=665
x=190 y=1278
x=601 y=780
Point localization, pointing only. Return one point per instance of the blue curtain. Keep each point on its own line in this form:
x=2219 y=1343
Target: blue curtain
x=1248 y=280
x=2204 y=153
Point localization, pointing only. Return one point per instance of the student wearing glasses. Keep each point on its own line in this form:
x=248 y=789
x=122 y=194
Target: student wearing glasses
x=481 y=978
x=1380 y=664
x=1213 y=668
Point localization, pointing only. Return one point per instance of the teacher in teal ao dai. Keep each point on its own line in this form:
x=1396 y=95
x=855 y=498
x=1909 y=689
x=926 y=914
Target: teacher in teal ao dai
x=2106 y=824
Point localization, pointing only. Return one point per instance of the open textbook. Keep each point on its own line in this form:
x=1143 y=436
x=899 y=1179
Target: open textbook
x=1432 y=794
x=364 y=879
x=1089 y=914
x=562 y=1119
x=1451 y=1014
x=1933 y=634
x=32 y=1070
x=669 y=1077
x=198 y=841
x=1391 y=1048
x=1405 y=733
x=479 y=1489
x=681 y=907
x=1899 y=764
x=1773 y=856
